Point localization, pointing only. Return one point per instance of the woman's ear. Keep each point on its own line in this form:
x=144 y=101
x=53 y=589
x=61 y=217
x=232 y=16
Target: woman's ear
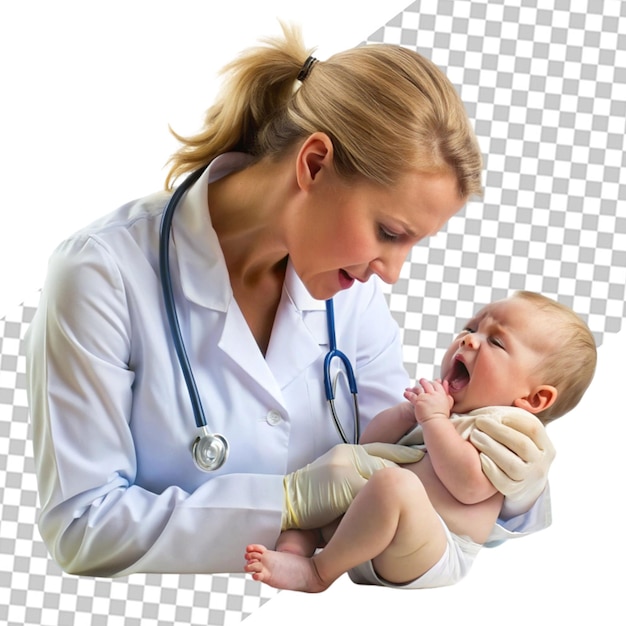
x=539 y=399
x=314 y=155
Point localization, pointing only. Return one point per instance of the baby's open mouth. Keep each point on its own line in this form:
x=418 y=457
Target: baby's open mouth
x=458 y=376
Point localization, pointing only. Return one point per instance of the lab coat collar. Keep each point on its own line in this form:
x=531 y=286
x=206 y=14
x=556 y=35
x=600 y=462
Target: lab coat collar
x=298 y=294
x=203 y=274
x=300 y=333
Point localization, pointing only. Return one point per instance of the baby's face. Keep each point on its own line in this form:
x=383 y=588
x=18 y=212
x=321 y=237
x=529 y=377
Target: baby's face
x=495 y=359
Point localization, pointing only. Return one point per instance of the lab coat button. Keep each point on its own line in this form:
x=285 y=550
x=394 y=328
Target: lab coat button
x=273 y=418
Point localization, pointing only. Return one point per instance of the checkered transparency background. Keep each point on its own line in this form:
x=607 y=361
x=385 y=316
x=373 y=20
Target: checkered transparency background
x=545 y=86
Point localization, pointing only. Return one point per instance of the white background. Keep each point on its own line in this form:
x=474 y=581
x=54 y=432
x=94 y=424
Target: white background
x=89 y=89
x=88 y=92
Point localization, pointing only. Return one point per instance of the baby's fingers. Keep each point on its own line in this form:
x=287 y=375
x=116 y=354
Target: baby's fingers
x=427 y=385
x=417 y=390
x=412 y=393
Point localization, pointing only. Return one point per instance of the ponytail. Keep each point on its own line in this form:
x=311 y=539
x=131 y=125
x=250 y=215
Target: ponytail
x=386 y=108
x=259 y=83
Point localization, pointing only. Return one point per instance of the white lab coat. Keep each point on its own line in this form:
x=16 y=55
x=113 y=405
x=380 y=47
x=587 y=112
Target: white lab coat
x=112 y=421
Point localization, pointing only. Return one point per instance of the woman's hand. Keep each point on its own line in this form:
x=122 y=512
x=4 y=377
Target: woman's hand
x=323 y=490
x=516 y=455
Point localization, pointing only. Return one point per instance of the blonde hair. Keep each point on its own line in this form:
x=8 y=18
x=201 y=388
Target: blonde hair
x=570 y=363
x=385 y=108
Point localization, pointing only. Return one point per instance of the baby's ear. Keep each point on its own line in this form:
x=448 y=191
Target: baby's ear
x=539 y=399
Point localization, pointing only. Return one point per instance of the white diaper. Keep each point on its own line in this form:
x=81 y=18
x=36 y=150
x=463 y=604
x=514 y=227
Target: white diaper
x=451 y=567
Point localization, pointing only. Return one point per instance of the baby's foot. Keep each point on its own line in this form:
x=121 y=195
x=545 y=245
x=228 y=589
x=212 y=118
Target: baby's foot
x=283 y=570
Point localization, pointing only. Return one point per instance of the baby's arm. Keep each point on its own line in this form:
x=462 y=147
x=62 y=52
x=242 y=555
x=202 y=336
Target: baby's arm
x=389 y=425
x=455 y=460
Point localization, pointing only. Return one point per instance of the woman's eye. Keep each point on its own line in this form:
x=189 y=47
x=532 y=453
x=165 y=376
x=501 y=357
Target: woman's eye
x=386 y=235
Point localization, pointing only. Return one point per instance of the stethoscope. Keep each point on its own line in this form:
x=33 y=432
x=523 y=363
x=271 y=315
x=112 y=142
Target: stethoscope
x=210 y=450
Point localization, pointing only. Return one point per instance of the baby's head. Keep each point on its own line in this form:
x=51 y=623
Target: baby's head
x=527 y=351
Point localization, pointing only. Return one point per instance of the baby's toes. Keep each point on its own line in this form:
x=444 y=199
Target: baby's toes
x=254 y=552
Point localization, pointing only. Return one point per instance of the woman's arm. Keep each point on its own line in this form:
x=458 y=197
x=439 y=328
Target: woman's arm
x=100 y=515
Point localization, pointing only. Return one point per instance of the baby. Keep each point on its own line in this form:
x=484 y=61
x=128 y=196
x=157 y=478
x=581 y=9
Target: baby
x=421 y=524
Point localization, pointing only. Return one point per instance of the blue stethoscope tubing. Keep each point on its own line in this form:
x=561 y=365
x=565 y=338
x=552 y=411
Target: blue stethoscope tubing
x=210 y=450
x=168 y=297
x=329 y=387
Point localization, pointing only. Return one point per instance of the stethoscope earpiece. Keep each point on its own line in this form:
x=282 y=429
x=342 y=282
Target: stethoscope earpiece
x=209 y=451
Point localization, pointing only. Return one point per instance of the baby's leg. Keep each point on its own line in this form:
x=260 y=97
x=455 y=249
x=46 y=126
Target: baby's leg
x=301 y=542
x=391 y=521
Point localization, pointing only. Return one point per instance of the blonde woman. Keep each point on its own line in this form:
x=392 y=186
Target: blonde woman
x=313 y=177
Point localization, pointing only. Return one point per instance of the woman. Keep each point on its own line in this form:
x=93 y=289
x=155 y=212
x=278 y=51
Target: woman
x=307 y=193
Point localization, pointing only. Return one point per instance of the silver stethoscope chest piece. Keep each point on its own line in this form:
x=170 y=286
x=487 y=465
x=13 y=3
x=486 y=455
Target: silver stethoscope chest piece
x=209 y=450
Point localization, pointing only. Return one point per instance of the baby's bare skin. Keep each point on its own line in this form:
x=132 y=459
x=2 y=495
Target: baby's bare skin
x=284 y=570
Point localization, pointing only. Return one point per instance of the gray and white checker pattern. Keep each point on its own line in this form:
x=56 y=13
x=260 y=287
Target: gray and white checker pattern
x=545 y=84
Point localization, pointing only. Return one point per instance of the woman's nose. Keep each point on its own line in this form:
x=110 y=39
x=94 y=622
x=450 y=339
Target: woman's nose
x=388 y=267
x=387 y=272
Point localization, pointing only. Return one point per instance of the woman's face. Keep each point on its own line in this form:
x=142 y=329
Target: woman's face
x=348 y=231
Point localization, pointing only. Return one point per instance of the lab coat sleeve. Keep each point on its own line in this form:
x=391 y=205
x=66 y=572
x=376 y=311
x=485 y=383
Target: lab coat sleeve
x=537 y=518
x=94 y=519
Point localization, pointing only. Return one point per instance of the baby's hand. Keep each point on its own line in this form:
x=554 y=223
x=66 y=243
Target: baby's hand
x=430 y=400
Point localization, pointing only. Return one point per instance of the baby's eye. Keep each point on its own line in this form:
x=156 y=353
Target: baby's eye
x=495 y=341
